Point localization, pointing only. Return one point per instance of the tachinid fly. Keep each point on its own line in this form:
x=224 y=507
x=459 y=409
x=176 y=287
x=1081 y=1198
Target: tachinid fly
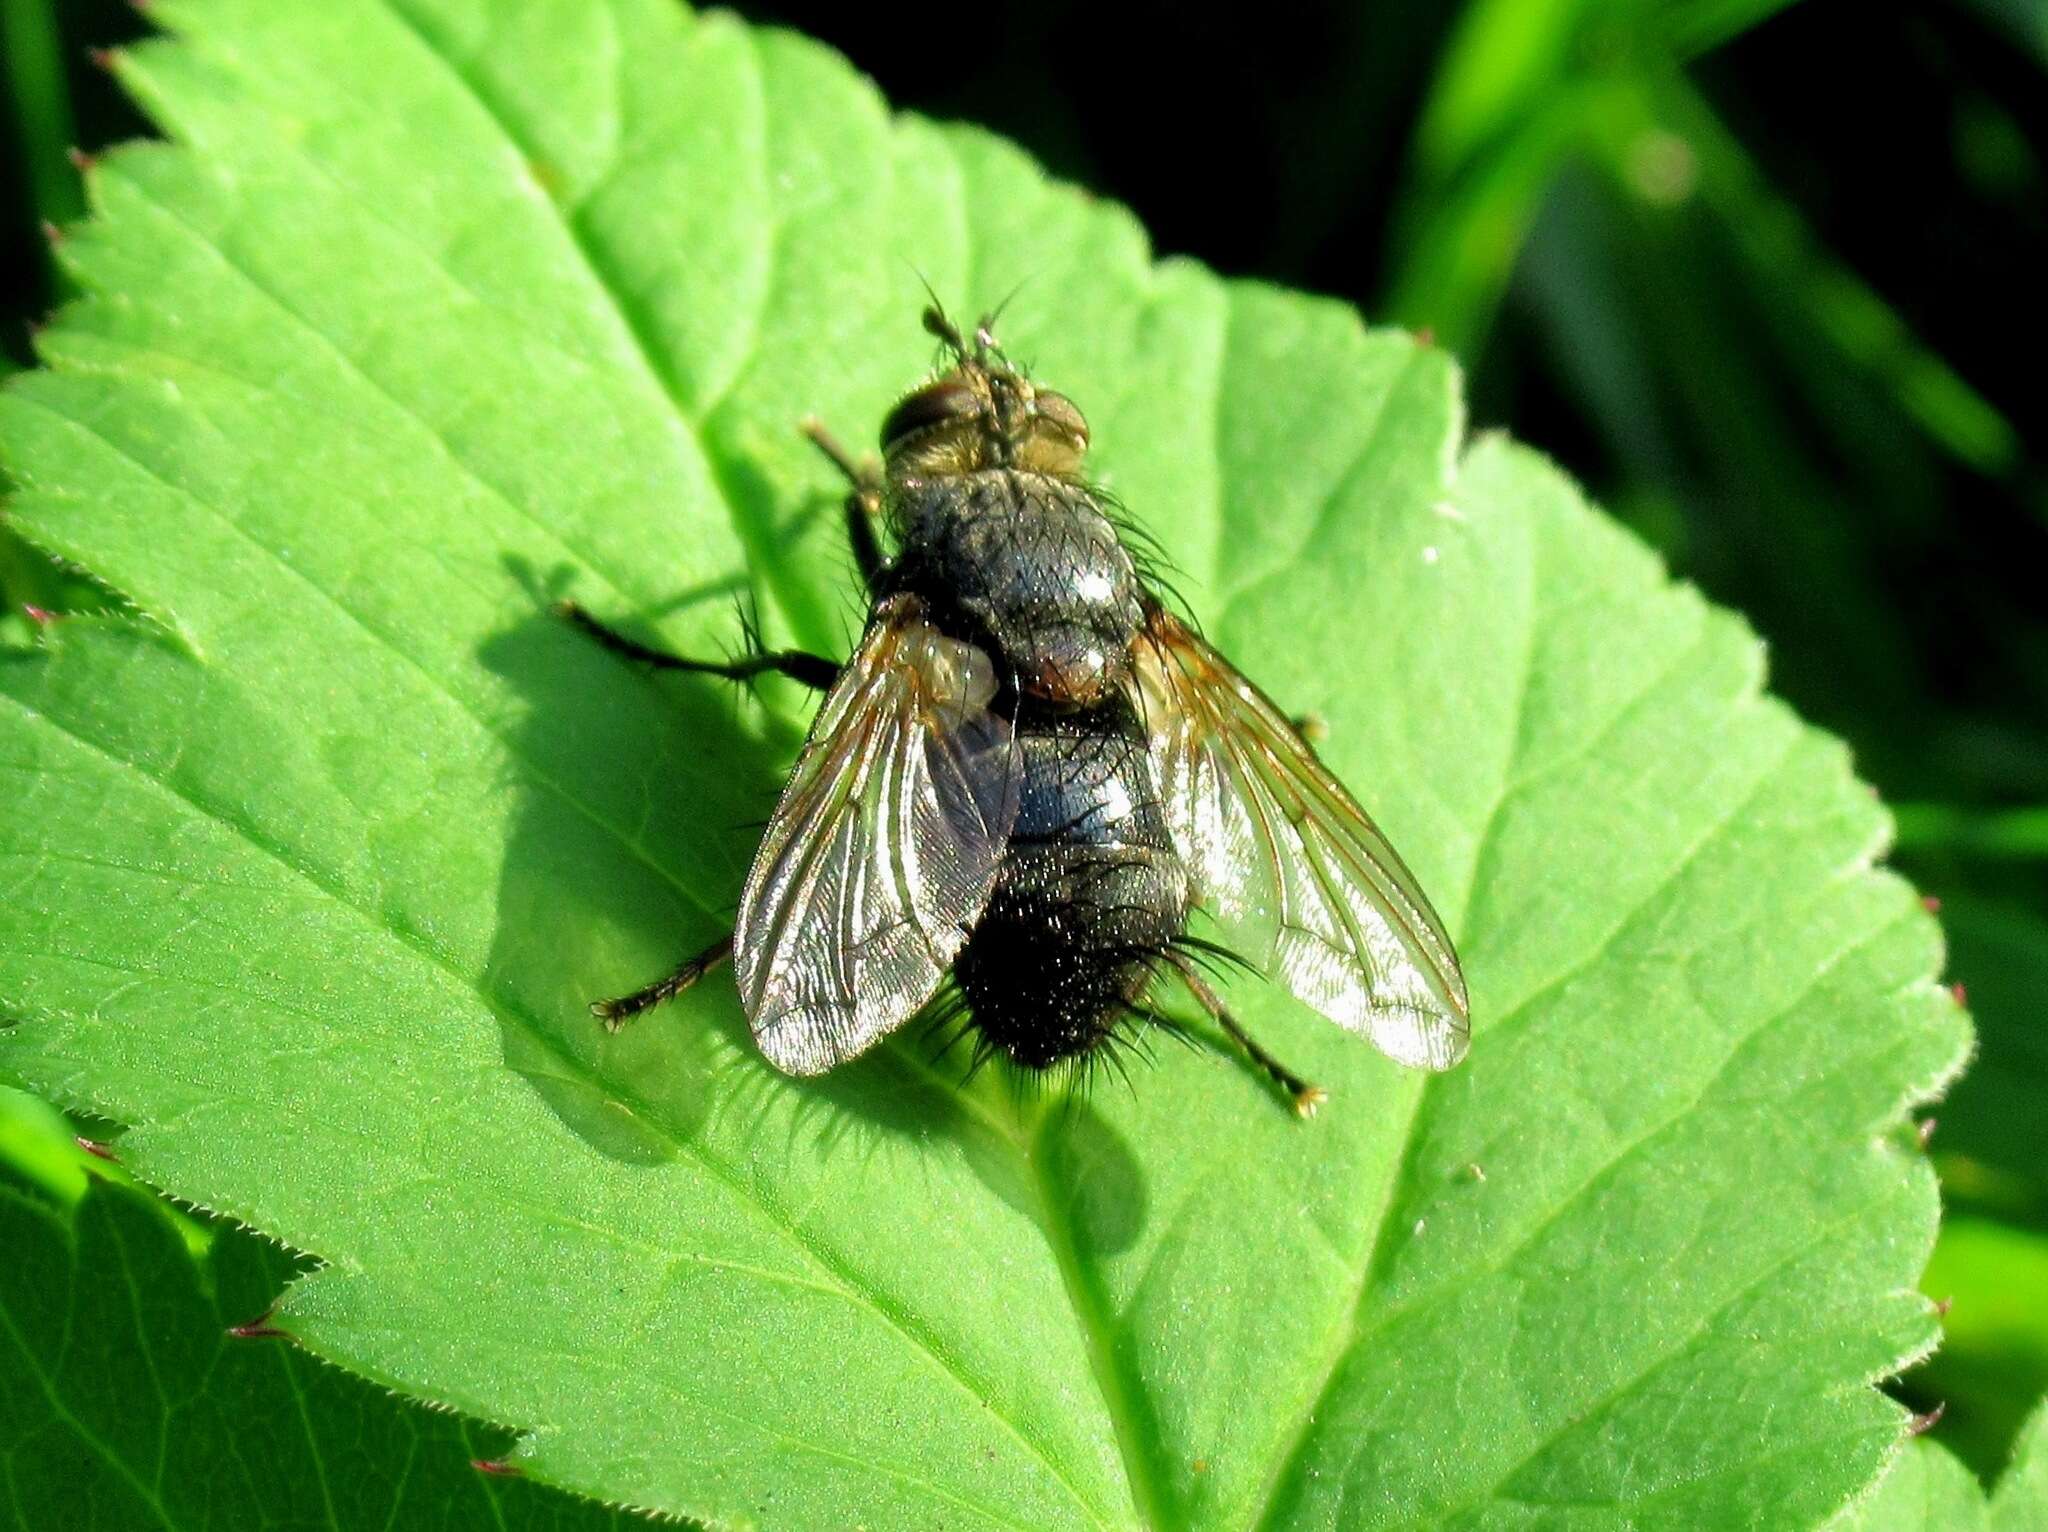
x=1031 y=772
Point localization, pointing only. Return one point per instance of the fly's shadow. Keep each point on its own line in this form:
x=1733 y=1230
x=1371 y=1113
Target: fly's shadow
x=631 y=797
x=638 y=800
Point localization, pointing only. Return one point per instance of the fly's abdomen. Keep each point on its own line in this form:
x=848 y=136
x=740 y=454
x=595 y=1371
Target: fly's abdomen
x=1089 y=897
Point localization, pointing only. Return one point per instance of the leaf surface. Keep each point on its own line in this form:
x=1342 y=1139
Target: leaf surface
x=439 y=309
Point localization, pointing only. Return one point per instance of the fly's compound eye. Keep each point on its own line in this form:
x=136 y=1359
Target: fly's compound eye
x=1057 y=412
x=937 y=404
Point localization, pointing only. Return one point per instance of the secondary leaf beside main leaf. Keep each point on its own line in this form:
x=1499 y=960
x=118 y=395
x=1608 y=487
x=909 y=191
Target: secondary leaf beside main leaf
x=1928 y=1490
x=440 y=310
x=129 y=1404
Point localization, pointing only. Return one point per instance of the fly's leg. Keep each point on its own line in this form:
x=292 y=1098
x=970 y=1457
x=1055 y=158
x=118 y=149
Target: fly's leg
x=863 y=506
x=813 y=670
x=1304 y=1097
x=616 y=1013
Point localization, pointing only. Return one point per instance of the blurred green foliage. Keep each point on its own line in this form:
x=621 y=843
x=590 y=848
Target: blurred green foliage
x=1757 y=271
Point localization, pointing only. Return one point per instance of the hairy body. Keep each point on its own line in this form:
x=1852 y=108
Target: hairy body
x=1029 y=773
x=1090 y=894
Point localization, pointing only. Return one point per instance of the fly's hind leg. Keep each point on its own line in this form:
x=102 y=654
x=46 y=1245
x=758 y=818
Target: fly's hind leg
x=813 y=670
x=863 y=506
x=616 y=1013
x=1301 y=1095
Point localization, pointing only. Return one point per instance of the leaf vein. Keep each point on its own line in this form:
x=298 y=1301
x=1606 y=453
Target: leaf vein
x=827 y=1260
x=1814 y=1241
x=62 y=1413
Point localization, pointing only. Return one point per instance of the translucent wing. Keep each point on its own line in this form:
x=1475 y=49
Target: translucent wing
x=883 y=849
x=1302 y=882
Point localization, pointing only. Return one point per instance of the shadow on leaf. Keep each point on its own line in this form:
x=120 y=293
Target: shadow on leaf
x=636 y=862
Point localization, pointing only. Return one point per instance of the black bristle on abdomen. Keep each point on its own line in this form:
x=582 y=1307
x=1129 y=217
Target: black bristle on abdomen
x=1069 y=942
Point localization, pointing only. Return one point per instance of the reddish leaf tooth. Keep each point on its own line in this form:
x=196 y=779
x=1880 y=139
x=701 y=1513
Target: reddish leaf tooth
x=260 y=1328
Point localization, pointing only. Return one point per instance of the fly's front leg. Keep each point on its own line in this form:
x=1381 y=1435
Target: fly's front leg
x=863 y=506
x=813 y=670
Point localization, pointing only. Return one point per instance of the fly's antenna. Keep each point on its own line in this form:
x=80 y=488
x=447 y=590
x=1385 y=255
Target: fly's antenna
x=936 y=323
x=924 y=282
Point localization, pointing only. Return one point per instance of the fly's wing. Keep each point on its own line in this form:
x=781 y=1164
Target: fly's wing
x=1301 y=881
x=883 y=848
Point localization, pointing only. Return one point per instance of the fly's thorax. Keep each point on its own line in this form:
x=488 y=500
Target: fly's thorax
x=1029 y=564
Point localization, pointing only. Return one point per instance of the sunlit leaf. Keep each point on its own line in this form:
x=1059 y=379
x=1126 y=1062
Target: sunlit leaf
x=440 y=309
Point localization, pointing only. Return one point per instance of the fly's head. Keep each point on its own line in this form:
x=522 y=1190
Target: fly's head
x=981 y=413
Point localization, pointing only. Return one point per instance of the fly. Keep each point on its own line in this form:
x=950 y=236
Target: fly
x=1030 y=774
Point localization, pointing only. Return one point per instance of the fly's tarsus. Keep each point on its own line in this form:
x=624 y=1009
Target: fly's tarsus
x=863 y=474
x=812 y=670
x=1303 y=1096
x=616 y=1013
x=863 y=506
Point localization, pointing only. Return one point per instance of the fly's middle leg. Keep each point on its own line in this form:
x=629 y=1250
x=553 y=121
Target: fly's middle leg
x=863 y=506
x=616 y=1013
x=813 y=670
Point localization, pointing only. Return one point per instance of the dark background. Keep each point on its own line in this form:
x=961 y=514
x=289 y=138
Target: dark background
x=1766 y=276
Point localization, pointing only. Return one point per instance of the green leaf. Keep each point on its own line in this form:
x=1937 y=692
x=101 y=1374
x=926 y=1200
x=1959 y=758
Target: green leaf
x=1993 y=1362
x=1927 y=1490
x=40 y=1148
x=441 y=308
x=128 y=1404
x=2001 y=953
x=2020 y=1503
x=38 y=110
